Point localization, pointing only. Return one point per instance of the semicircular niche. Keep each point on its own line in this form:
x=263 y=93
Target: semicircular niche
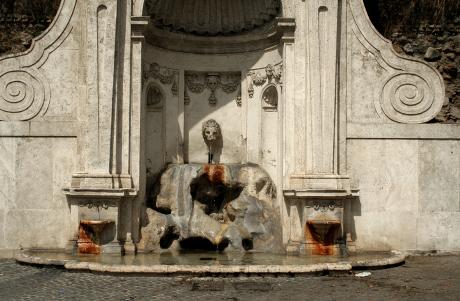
x=270 y=98
x=154 y=96
x=211 y=17
x=213 y=26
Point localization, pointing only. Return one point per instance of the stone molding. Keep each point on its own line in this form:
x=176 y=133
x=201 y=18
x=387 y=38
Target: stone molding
x=24 y=90
x=403 y=131
x=413 y=91
x=38 y=129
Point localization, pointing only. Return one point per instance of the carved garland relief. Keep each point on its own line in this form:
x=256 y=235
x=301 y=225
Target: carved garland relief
x=267 y=78
x=271 y=74
x=197 y=82
x=164 y=75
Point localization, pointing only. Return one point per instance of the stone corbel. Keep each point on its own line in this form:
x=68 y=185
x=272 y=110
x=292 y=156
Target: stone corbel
x=138 y=26
x=287 y=27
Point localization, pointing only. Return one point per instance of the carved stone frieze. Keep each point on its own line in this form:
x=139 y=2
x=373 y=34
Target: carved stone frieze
x=98 y=204
x=197 y=82
x=164 y=75
x=324 y=206
x=271 y=74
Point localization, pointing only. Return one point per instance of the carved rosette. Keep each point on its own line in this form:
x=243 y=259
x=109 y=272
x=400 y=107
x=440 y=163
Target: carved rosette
x=197 y=82
x=271 y=74
x=409 y=98
x=24 y=94
x=164 y=75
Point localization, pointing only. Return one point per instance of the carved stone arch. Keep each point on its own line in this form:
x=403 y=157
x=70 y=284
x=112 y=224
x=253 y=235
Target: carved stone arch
x=270 y=97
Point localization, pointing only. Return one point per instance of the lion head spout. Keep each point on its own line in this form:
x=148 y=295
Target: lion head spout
x=211 y=132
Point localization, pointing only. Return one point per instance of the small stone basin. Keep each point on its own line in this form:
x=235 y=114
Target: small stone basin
x=89 y=235
x=97 y=226
x=323 y=235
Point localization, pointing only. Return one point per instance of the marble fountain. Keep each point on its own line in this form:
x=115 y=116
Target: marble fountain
x=258 y=136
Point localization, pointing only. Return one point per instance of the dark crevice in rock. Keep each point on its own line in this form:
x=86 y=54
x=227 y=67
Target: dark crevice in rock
x=213 y=193
x=171 y=234
x=247 y=244
x=200 y=244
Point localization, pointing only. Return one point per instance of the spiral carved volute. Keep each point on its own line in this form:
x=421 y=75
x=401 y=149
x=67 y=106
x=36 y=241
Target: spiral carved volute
x=409 y=98
x=24 y=94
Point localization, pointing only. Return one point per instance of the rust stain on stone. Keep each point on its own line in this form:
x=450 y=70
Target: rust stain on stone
x=322 y=237
x=86 y=245
x=215 y=173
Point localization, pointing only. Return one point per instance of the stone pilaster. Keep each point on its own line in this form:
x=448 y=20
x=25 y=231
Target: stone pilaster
x=314 y=169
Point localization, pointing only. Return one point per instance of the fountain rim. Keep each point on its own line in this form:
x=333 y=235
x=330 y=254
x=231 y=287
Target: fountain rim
x=385 y=260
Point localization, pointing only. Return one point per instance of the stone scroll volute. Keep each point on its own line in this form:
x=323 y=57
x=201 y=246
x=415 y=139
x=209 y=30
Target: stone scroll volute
x=409 y=90
x=24 y=89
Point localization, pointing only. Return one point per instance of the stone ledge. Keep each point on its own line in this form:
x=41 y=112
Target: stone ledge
x=8 y=253
x=38 y=129
x=403 y=131
x=70 y=262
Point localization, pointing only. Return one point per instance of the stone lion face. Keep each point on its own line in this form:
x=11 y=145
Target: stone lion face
x=211 y=131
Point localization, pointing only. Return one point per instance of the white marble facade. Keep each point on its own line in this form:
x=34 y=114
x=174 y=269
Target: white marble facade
x=315 y=96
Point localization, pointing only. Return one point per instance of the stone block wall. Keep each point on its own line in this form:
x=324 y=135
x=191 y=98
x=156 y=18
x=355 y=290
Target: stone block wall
x=33 y=210
x=409 y=189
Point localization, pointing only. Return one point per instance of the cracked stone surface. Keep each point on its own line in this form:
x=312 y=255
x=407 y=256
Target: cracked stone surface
x=421 y=278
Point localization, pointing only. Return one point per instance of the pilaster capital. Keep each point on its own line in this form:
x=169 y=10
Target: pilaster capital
x=138 y=26
x=286 y=26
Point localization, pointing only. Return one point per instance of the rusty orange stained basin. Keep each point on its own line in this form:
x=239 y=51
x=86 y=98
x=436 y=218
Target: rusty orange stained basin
x=89 y=234
x=322 y=234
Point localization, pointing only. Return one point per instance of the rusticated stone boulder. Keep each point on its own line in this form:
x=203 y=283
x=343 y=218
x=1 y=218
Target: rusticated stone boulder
x=212 y=207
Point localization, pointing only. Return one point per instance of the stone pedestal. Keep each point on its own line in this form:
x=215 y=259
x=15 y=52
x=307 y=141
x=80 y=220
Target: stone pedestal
x=321 y=228
x=100 y=212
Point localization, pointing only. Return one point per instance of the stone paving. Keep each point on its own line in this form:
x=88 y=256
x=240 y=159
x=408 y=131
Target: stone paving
x=421 y=278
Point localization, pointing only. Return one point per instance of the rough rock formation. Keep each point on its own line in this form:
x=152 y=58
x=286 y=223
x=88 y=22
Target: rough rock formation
x=212 y=207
